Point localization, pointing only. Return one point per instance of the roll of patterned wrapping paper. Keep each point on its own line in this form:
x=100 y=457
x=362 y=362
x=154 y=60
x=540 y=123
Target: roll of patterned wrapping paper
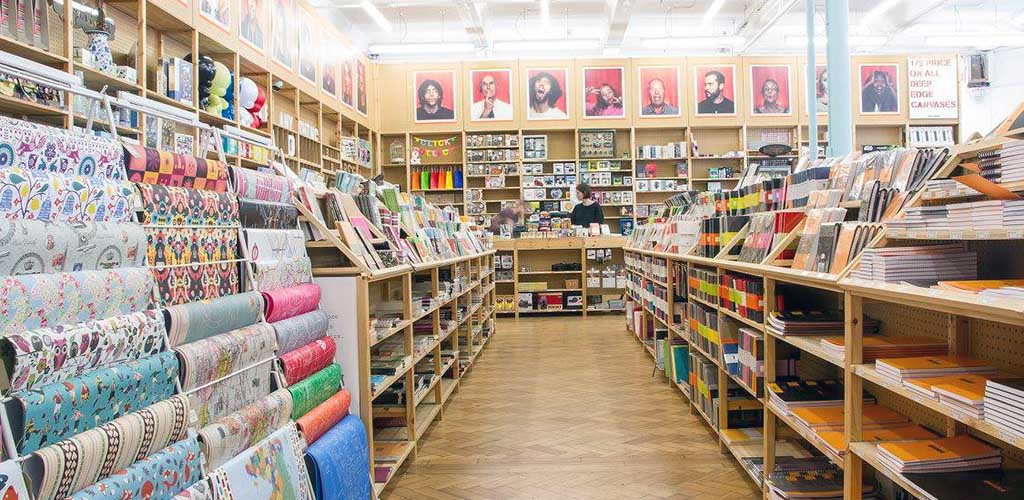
x=28 y=194
x=62 y=469
x=231 y=394
x=338 y=462
x=292 y=301
x=175 y=246
x=320 y=419
x=48 y=300
x=201 y=490
x=315 y=389
x=273 y=468
x=283 y=273
x=198 y=320
x=182 y=284
x=152 y=166
x=268 y=245
x=106 y=245
x=37 y=247
x=233 y=433
x=53 y=412
x=159 y=476
x=216 y=357
x=47 y=355
x=295 y=332
x=261 y=186
x=308 y=359
x=13 y=485
x=178 y=206
x=267 y=215
x=35 y=146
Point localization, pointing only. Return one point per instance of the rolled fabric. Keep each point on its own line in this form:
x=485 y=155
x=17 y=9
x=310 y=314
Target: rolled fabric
x=232 y=434
x=39 y=247
x=198 y=320
x=175 y=246
x=295 y=332
x=315 y=390
x=283 y=273
x=292 y=301
x=62 y=469
x=159 y=476
x=269 y=245
x=320 y=419
x=216 y=357
x=273 y=468
x=47 y=300
x=178 y=206
x=53 y=412
x=261 y=186
x=35 y=146
x=182 y=284
x=152 y=166
x=308 y=359
x=268 y=215
x=38 y=195
x=338 y=462
x=47 y=355
x=230 y=394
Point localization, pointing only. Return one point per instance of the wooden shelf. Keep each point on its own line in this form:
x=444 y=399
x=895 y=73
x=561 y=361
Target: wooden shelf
x=868 y=452
x=746 y=321
x=810 y=437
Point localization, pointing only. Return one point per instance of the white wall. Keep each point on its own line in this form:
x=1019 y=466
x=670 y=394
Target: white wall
x=983 y=109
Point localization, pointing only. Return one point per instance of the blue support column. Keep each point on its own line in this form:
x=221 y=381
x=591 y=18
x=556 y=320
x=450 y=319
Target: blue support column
x=840 y=103
x=812 y=87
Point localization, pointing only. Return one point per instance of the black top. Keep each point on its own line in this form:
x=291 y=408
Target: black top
x=710 y=107
x=583 y=215
x=442 y=113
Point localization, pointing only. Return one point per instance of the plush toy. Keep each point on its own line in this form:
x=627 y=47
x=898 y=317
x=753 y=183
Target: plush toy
x=206 y=71
x=251 y=99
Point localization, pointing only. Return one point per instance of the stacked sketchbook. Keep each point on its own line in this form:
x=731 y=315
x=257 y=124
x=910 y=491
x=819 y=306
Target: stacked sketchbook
x=835 y=440
x=812 y=322
x=1005 y=164
x=898 y=370
x=953 y=454
x=963 y=392
x=877 y=346
x=918 y=265
x=986 y=214
x=787 y=396
x=1004 y=404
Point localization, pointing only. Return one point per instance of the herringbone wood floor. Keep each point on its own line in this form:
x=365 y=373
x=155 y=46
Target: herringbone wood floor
x=566 y=408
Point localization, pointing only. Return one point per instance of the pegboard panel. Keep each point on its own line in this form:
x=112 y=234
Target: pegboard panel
x=812 y=367
x=919 y=414
x=898 y=319
x=999 y=343
x=999 y=259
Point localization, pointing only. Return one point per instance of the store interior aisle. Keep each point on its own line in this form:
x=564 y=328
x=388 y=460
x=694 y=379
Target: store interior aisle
x=567 y=408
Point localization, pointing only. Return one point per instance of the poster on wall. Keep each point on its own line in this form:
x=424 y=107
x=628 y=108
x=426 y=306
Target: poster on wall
x=932 y=87
x=658 y=91
x=309 y=48
x=216 y=11
x=434 y=97
x=329 y=66
x=820 y=90
x=769 y=90
x=547 y=94
x=879 y=88
x=252 y=29
x=715 y=89
x=361 y=95
x=348 y=83
x=603 y=90
x=490 y=95
x=283 y=34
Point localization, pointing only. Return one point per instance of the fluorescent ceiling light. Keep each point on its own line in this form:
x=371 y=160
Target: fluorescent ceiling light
x=545 y=12
x=976 y=39
x=550 y=45
x=376 y=15
x=421 y=48
x=876 y=13
x=855 y=40
x=702 y=42
x=712 y=12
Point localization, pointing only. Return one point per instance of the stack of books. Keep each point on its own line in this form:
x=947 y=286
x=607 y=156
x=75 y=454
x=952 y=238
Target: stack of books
x=1004 y=404
x=986 y=214
x=813 y=322
x=964 y=392
x=954 y=454
x=825 y=482
x=1005 y=164
x=897 y=370
x=787 y=396
x=835 y=440
x=918 y=265
x=1007 y=289
x=1003 y=484
x=877 y=346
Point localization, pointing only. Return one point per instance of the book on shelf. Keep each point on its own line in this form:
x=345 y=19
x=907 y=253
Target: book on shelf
x=923 y=265
x=1003 y=484
x=1004 y=404
x=878 y=346
x=899 y=369
x=952 y=454
x=786 y=395
x=813 y=322
x=835 y=440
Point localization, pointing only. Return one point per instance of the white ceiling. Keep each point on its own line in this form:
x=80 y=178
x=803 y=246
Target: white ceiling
x=620 y=27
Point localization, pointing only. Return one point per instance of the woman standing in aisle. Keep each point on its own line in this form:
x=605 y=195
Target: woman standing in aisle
x=587 y=211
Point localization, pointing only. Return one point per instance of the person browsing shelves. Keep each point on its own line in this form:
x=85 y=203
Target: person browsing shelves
x=587 y=211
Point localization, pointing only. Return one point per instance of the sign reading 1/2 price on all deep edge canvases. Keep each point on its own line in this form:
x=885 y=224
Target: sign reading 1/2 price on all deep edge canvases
x=933 y=88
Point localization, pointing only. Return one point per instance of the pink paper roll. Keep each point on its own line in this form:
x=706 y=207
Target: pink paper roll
x=288 y=302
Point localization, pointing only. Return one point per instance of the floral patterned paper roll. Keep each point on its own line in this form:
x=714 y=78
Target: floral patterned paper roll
x=34 y=146
x=273 y=468
x=152 y=166
x=216 y=357
x=175 y=246
x=37 y=195
x=182 y=284
x=198 y=320
x=283 y=273
x=295 y=332
x=231 y=394
x=178 y=206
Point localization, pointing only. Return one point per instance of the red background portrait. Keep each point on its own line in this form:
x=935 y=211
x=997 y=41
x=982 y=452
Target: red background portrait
x=347 y=88
x=779 y=73
x=362 y=96
x=698 y=82
x=503 y=77
x=595 y=77
x=445 y=78
x=561 y=76
x=867 y=70
x=667 y=74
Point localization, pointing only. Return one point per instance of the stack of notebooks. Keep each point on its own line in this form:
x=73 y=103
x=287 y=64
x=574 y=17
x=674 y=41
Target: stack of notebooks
x=1006 y=289
x=1004 y=404
x=954 y=454
x=918 y=265
x=787 y=396
x=822 y=483
x=1005 y=164
x=1005 y=484
x=812 y=322
x=987 y=214
x=835 y=440
x=898 y=370
x=877 y=346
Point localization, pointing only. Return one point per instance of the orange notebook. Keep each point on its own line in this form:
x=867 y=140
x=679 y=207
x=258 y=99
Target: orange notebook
x=933 y=362
x=836 y=440
x=930 y=450
x=832 y=416
x=975 y=286
x=967 y=388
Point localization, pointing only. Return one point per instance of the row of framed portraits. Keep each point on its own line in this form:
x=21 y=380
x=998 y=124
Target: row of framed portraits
x=659 y=91
x=298 y=40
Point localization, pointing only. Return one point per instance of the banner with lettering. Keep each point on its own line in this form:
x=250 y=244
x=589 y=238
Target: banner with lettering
x=933 y=87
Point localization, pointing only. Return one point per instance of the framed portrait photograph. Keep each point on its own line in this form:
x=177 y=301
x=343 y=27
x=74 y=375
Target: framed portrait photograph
x=820 y=104
x=329 y=68
x=283 y=32
x=361 y=95
x=433 y=95
x=770 y=93
x=252 y=28
x=879 y=88
x=603 y=90
x=547 y=95
x=490 y=95
x=309 y=48
x=714 y=90
x=216 y=11
x=658 y=91
x=348 y=83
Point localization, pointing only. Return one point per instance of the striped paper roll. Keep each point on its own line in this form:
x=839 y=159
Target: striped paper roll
x=216 y=357
x=261 y=186
x=35 y=146
x=178 y=206
x=308 y=359
x=283 y=273
x=64 y=468
x=292 y=301
x=315 y=389
x=158 y=476
x=152 y=166
x=295 y=332
x=233 y=433
x=338 y=462
x=38 y=195
x=267 y=215
x=320 y=419
x=198 y=320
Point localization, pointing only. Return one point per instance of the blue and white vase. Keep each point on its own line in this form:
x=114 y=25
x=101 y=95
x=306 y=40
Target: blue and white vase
x=99 y=45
